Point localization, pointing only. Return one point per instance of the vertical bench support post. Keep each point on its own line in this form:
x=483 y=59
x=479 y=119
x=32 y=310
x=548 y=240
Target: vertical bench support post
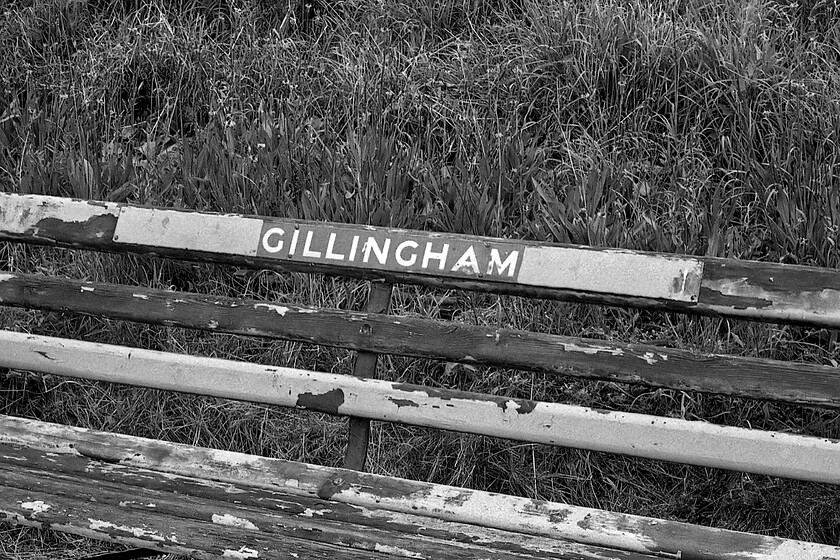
x=358 y=438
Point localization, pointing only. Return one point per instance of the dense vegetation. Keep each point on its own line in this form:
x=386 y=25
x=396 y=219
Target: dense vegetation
x=700 y=127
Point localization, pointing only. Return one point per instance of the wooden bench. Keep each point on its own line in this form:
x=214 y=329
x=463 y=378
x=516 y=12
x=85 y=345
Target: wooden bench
x=209 y=503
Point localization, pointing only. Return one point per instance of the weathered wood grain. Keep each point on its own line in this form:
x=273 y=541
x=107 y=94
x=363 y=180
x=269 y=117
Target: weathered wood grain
x=358 y=437
x=802 y=383
x=91 y=514
x=640 y=435
x=267 y=514
x=760 y=291
x=385 y=503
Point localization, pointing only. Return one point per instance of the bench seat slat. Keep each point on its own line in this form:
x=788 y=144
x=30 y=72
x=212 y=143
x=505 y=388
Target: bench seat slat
x=754 y=290
x=697 y=443
x=390 y=502
x=94 y=513
x=165 y=512
x=273 y=507
x=808 y=384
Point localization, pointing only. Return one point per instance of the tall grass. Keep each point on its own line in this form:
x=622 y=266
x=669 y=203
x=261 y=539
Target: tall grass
x=706 y=128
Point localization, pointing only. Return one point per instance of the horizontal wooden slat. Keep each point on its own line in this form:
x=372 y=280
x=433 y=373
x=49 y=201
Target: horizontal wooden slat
x=93 y=512
x=175 y=514
x=696 y=443
x=761 y=291
x=375 y=501
x=808 y=384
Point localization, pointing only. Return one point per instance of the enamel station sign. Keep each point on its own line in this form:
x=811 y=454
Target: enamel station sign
x=413 y=252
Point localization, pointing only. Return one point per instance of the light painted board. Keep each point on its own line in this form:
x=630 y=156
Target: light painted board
x=211 y=233
x=653 y=437
x=20 y=214
x=618 y=272
x=613 y=272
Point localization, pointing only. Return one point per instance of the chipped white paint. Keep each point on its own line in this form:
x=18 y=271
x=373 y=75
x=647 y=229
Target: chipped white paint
x=613 y=272
x=130 y=502
x=397 y=551
x=822 y=307
x=511 y=408
x=591 y=526
x=591 y=350
x=691 y=442
x=309 y=512
x=243 y=553
x=649 y=357
x=233 y=521
x=210 y=233
x=140 y=296
x=36 y=507
x=20 y=214
x=6 y=277
x=87 y=289
x=139 y=532
x=291 y=483
x=279 y=309
x=543 y=526
x=306 y=311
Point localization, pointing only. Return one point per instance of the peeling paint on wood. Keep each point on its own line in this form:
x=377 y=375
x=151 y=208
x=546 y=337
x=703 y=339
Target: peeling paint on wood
x=83 y=489
x=772 y=292
x=279 y=309
x=140 y=532
x=386 y=502
x=403 y=402
x=309 y=512
x=24 y=214
x=764 y=291
x=329 y=402
x=697 y=443
x=132 y=502
x=592 y=349
x=749 y=300
x=36 y=507
x=243 y=553
x=388 y=549
x=803 y=383
x=233 y=521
